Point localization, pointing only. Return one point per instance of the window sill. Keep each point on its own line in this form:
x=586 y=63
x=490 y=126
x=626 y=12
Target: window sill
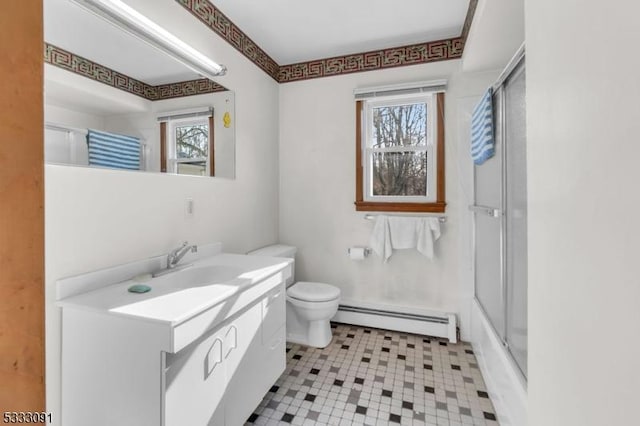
x=371 y=206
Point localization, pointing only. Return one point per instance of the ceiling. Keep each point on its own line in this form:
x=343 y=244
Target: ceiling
x=72 y=28
x=72 y=91
x=292 y=31
x=496 y=23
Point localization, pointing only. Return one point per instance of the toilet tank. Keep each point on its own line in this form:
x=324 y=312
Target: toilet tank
x=277 y=250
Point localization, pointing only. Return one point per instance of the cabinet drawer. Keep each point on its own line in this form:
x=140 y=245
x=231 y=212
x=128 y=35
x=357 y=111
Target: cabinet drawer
x=274 y=360
x=187 y=332
x=273 y=312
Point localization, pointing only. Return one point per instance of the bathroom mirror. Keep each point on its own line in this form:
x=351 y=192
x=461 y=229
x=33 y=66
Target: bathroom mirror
x=112 y=100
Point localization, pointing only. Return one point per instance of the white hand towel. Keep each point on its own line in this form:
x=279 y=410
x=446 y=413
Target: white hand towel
x=380 y=240
x=427 y=233
x=397 y=232
x=403 y=231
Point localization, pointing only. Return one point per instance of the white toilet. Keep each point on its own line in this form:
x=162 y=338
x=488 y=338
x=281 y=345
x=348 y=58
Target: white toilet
x=310 y=305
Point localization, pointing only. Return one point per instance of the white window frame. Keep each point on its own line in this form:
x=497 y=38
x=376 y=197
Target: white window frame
x=172 y=150
x=430 y=147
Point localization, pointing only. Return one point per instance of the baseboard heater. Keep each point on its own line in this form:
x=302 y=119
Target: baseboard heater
x=441 y=325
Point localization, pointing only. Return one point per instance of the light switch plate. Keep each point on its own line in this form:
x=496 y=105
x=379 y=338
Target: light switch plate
x=189 y=208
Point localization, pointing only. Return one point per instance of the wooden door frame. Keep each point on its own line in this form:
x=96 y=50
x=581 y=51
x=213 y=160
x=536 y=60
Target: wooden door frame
x=22 y=351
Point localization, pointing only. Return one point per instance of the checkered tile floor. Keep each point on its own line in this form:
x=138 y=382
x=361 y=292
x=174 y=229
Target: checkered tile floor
x=368 y=376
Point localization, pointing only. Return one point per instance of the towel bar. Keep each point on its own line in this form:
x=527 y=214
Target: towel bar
x=489 y=211
x=441 y=219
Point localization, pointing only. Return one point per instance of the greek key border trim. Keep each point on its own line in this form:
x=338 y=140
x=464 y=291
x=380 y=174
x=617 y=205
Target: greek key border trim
x=82 y=66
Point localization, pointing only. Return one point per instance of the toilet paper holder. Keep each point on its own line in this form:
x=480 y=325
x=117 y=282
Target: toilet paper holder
x=367 y=251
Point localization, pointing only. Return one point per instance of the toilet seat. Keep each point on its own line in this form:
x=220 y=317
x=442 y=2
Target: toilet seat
x=313 y=292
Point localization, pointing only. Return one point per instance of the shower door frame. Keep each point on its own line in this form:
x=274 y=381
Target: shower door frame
x=516 y=65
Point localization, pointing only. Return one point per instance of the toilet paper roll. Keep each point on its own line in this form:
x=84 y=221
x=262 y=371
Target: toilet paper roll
x=357 y=253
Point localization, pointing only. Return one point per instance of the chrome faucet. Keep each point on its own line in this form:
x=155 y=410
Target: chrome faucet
x=174 y=256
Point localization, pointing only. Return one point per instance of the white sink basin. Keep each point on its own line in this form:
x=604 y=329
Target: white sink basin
x=176 y=296
x=199 y=276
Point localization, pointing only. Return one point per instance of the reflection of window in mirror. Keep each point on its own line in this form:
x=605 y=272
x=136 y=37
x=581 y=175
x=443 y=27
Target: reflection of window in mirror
x=187 y=145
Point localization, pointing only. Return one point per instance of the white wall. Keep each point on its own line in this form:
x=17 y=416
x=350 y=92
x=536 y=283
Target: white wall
x=72 y=117
x=98 y=218
x=583 y=150
x=317 y=191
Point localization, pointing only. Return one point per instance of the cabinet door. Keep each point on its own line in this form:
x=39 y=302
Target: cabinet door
x=194 y=383
x=244 y=365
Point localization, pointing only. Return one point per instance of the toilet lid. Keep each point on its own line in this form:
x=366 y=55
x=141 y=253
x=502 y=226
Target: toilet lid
x=313 y=292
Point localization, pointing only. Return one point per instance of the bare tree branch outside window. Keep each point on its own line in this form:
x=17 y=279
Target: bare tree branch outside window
x=401 y=173
x=192 y=141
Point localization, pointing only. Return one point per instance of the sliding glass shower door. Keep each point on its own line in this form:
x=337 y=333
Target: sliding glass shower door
x=516 y=217
x=501 y=221
x=488 y=232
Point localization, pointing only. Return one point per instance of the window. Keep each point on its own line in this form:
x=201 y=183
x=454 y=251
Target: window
x=187 y=145
x=400 y=153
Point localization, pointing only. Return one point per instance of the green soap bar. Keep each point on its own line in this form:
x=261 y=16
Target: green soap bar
x=139 y=288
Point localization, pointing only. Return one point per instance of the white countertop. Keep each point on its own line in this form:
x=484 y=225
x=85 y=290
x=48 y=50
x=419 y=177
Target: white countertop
x=170 y=304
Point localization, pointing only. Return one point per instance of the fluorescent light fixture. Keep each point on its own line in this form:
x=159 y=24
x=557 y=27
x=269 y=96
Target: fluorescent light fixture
x=132 y=21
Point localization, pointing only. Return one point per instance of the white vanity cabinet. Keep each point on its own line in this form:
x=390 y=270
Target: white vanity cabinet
x=210 y=369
